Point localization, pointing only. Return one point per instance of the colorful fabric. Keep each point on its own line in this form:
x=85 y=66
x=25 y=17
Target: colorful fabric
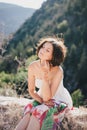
x=49 y=117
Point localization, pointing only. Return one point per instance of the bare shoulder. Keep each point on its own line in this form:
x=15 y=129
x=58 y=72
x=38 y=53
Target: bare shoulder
x=60 y=71
x=33 y=65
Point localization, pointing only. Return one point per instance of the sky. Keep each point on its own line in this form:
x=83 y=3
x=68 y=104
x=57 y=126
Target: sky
x=25 y=3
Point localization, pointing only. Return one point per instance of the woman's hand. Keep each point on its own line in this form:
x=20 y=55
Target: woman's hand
x=49 y=103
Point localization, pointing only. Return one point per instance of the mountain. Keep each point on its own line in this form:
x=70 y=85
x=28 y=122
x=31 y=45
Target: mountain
x=12 y=17
x=43 y=22
x=65 y=18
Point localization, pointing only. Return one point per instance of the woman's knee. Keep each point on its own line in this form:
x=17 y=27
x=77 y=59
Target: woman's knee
x=33 y=124
x=22 y=125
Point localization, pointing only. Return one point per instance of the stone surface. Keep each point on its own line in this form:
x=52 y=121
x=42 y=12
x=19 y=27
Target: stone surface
x=75 y=119
x=13 y=100
x=11 y=111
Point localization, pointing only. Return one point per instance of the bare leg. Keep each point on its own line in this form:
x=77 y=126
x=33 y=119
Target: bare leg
x=23 y=123
x=33 y=124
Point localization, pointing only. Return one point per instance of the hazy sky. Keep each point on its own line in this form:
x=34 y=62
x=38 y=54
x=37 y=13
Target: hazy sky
x=25 y=3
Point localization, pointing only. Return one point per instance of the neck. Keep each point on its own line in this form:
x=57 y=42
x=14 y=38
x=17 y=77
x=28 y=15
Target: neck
x=42 y=63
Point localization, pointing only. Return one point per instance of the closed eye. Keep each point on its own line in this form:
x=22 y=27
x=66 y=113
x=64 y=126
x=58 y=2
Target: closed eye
x=48 y=50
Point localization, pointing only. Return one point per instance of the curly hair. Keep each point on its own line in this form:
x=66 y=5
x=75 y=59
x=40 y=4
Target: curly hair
x=59 y=49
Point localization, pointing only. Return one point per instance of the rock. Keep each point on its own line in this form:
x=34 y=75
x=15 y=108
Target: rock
x=75 y=119
x=9 y=116
x=11 y=111
x=14 y=100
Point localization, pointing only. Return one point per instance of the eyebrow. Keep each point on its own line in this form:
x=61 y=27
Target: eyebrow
x=47 y=48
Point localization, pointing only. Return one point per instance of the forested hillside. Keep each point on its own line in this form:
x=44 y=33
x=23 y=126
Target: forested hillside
x=67 y=18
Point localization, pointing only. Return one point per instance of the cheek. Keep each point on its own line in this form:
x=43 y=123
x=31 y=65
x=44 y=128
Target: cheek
x=50 y=57
x=40 y=54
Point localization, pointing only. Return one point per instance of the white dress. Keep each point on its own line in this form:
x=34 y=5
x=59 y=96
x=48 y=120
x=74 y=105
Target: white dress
x=61 y=94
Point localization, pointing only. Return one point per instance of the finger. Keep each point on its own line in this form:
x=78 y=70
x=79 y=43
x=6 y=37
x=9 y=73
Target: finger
x=48 y=65
x=44 y=65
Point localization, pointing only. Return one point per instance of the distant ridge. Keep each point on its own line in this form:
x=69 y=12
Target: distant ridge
x=12 y=17
x=6 y=5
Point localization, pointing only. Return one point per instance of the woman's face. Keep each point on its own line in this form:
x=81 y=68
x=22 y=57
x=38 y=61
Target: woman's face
x=46 y=51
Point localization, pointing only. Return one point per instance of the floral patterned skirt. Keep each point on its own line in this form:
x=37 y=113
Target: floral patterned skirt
x=49 y=117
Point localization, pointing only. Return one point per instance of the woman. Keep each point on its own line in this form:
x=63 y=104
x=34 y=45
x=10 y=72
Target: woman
x=52 y=98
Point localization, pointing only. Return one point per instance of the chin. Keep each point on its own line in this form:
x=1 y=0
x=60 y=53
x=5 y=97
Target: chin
x=41 y=58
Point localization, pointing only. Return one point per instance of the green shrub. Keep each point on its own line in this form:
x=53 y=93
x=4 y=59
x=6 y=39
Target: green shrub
x=77 y=98
x=62 y=27
x=17 y=81
x=7 y=78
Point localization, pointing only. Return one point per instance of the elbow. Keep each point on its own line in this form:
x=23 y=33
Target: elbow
x=31 y=92
x=45 y=99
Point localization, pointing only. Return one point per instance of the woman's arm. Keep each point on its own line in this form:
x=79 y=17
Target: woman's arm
x=31 y=84
x=56 y=81
x=49 y=90
x=46 y=90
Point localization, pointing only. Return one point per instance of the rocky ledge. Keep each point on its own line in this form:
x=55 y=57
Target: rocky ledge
x=11 y=109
